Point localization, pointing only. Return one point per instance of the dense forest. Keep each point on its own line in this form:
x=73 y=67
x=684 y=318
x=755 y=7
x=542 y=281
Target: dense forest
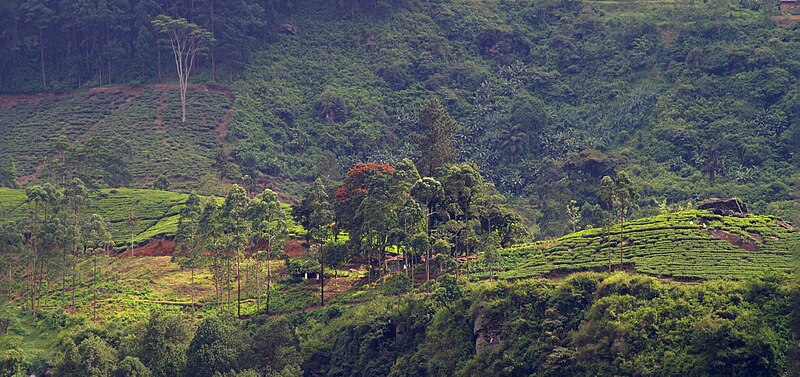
x=399 y=188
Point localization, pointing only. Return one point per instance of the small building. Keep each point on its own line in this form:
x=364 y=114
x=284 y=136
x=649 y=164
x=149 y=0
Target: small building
x=727 y=206
x=789 y=5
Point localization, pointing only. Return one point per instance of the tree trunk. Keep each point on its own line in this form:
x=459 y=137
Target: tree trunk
x=74 y=264
x=41 y=60
x=94 y=299
x=269 y=277
x=428 y=264
x=321 y=277
x=238 y=287
x=191 y=266
x=228 y=284
x=158 y=49
x=258 y=287
x=183 y=103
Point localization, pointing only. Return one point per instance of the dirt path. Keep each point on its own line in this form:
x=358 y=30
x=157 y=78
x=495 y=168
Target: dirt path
x=8 y=101
x=159 y=122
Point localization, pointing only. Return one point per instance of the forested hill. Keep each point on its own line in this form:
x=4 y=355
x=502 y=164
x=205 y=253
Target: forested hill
x=695 y=99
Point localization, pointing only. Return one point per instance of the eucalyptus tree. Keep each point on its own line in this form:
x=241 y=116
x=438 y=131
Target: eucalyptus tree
x=410 y=217
x=236 y=228
x=187 y=238
x=268 y=225
x=619 y=196
x=76 y=198
x=11 y=244
x=42 y=203
x=316 y=216
x=429 y=192
x=96 y=240
x=187 y=40
x=376 y=216
x=210 y=232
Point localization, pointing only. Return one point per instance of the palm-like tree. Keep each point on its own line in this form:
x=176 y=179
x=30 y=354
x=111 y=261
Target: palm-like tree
x=513 y=140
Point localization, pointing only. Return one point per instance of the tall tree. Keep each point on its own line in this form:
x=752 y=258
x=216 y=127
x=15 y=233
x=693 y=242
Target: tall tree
x=316 y=216
x=187 y=40
x=269 y=225
x=11 y=243
x=8 y=174
x=436 y=141
x=237 y=230
x=97 y=239
x=40 y=16
x=429 y=192
x=76 y=196
x=619 y=195
x=210 y=232
x=187 y=237
x=376 y=216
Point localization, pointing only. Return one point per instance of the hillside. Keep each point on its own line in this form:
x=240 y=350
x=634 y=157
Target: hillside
x=400 y=188
x=117 y=136
x=695 y=100
x=689 y=245
x=155 y=213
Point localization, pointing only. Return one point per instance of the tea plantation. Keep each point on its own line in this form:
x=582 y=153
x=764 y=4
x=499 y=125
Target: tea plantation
x=690 y=245
x=146 y=119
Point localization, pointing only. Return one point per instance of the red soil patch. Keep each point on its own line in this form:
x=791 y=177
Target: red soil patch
x=786 y=20
x=786 y=225
x=127 y=90
x=749 y=245
x=294 y=248
x=8 y=101
x=155 y=248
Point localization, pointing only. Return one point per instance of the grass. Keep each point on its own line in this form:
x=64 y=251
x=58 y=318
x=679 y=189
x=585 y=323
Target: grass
x=129 y=288
x=677 y=245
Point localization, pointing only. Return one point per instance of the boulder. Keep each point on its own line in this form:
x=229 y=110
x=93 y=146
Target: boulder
x=288 y=29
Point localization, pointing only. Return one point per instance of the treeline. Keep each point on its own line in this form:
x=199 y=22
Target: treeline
x=54 y=45
x=588 y=324
x=43 y=249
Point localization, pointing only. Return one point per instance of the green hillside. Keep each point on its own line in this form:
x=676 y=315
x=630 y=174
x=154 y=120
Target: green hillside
x=116 y=136
x=696 y=100
x=156 y=212
x=684 y=245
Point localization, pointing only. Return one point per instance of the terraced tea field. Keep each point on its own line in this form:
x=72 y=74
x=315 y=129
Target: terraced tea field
x=684 y=245
x=148 y=118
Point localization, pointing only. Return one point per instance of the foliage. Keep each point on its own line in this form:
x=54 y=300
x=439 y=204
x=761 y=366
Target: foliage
x=213 y=349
